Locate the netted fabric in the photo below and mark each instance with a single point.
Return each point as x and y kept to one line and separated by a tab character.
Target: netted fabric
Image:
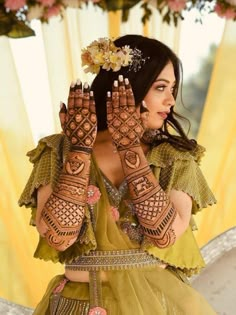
180	170
47	160
172	168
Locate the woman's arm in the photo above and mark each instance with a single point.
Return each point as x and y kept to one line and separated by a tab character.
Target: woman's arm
61	211
163	218
43	194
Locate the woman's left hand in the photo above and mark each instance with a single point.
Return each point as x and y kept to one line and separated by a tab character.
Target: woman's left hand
124	122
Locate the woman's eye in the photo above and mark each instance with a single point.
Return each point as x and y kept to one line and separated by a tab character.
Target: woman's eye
160	87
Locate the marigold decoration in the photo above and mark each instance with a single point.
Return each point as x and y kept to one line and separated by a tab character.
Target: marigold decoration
15	15
93	195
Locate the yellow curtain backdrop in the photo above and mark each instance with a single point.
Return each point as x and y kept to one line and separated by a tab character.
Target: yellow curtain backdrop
18	270
218	134
31	90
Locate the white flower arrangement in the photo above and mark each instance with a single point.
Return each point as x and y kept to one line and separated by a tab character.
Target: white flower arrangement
103	53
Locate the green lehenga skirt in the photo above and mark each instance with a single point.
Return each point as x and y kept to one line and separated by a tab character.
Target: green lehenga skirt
143	291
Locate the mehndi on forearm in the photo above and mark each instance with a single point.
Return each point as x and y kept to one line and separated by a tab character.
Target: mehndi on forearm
63	212
153	208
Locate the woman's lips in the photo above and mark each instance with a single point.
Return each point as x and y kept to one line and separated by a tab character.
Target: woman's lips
163	114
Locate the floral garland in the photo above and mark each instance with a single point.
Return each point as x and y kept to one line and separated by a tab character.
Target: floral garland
16	15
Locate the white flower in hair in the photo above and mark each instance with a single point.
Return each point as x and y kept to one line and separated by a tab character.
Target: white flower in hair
103	53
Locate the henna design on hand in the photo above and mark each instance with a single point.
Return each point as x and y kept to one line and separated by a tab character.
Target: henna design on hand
155	212
132	159
63	213
74	166
80	121
124	124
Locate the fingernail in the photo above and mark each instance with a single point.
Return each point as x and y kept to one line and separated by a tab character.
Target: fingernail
91	93
115	83
86	85
78	82
126	81
61	105
121	78
72	84
108	94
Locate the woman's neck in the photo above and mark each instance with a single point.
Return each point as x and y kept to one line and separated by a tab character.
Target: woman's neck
104	138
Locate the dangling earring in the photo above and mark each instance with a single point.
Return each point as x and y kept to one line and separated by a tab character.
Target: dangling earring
151	135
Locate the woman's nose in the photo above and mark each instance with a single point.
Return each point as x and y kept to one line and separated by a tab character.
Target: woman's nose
170	100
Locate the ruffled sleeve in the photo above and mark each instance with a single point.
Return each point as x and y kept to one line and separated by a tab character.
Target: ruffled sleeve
180	170
47	159
47	163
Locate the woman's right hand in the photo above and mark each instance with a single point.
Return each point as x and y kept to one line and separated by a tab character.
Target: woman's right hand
78	120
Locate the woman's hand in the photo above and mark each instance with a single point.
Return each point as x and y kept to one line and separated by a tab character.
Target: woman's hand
124	122
79	121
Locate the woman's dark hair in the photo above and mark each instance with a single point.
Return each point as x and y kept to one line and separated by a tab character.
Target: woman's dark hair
156	55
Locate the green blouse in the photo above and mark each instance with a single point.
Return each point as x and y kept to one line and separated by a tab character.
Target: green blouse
173	169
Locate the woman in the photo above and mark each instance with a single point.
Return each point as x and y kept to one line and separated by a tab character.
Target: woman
115	192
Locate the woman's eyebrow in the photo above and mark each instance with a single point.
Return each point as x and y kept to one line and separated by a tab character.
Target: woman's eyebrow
165	80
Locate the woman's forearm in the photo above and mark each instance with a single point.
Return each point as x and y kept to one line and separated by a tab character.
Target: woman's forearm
63	212
154	210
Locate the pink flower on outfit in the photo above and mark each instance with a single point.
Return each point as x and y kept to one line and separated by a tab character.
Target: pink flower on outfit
176	5
47	3
93	194
14	5
97	310
115	213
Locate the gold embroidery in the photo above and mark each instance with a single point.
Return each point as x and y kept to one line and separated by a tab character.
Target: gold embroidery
113	260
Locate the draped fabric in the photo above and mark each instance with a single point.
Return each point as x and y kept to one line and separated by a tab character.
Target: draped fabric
218	134
33	82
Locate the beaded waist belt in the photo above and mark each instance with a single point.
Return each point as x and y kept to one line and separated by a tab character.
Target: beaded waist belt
113	260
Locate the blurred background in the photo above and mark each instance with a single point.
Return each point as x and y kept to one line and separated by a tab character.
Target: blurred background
35	74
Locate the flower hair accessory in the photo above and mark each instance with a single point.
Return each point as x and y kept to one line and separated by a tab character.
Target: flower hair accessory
103	53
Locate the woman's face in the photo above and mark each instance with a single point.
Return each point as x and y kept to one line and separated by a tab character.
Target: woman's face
159	98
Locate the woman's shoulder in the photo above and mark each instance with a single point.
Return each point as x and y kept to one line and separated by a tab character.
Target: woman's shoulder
56	143
166	154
